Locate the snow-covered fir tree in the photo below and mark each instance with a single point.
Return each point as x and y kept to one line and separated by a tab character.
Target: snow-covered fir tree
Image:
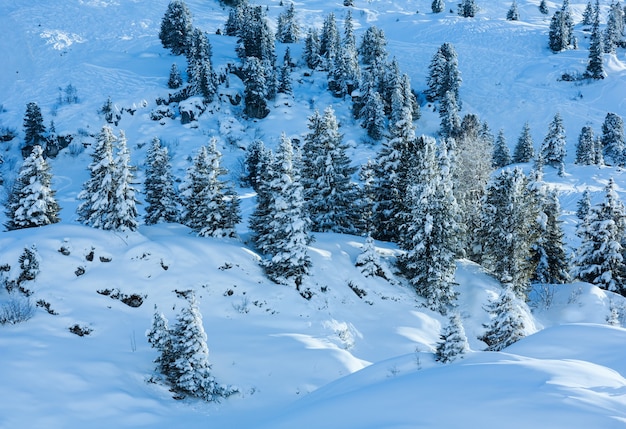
429	229
595	66
345	73
264	166
311	53
288	29
553	147
467	8
329	42
583	206
175	80
255	160
543	7
561	35
614	30
286	233
236	18
552	260
191	365
373	47
123	202
160	338
508	230
443	74
369	261
501	154
34	129
32	200
586	147
525	148
600	258
367	198
588	14
513	13
437	6
449	113
284	79
202	78
329	192
255	89
29	262
453	342
508	321
211	205
176	27
613	140
162	201
373	113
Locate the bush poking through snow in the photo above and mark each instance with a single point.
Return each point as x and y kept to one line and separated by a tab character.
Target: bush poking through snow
16	310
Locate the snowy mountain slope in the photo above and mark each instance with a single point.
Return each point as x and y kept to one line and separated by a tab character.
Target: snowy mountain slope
266	339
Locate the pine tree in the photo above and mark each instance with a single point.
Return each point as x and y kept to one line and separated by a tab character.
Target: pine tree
311	52
373	114
429	229
326	177
367	198
286	233
524	149
438	6
257	40
585	149
614	30
373	48
552	261
255	89
588	14
161	197
34	129
449	114
122	214
98	190
176	27
595	67
553	148
284	79
443	74
543	7
264	166
191	364
202	78
613	139
600	259
345	72
467	8
583	206
329	42
255	161
501	154
211	206
288	30
508	230
513	14
175	80
160	338
369	261
561	35
29	262
32	202
237	18
507	324
452	341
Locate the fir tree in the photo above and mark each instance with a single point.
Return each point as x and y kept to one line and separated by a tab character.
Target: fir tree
467	8
191	364
613	139
29	262
122	201
600	259
595	67
329	42
202	79
452	341
255	161
614	30
561	35
553	148
438	6
585	149
32	202
552	261
265	174
237	18
588	14
513	14
508	225
255	89
288	30
449	114
373	114
543	7
257	40
211	207
443	74
507	324
501	155
373	48
326	177
369	261
160	338
524	149
429	229
286	234
583	206
175	80
311	52
176	27
34	129
284	79
367	197
98	190
161	197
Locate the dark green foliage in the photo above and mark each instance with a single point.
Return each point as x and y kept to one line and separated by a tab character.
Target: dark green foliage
176	28
175	81
373	48
552	261
501	155
202	79
255	89
585	149
553	148
561	35
467	8
288	30
438	6
595	67
443	74
161	197
312	49
524	149
255	160
34	129
513	14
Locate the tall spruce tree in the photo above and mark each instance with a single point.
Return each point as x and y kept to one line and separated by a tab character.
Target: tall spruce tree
255	89
311	53
614	31
600	258
373	47
443	74
588	14
202	78
501	154
32	201
329	42
437	6
561	35
583	206
211	206
553	147
176	27
122	214
329	192
613	139
513	12
161	198
449	113
34	129
467	8
585	149
524	149
288	30
552	260
160	338
595	67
